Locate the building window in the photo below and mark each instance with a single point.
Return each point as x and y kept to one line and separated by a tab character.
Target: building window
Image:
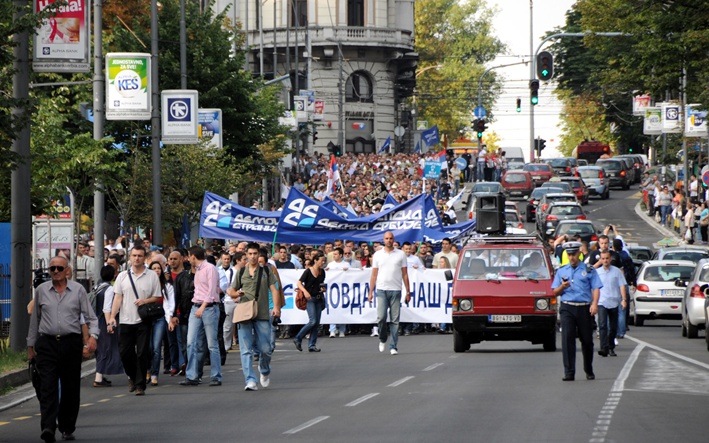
355	12
299	13
359	87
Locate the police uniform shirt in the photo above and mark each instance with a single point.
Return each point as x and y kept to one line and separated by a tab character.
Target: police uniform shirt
583	280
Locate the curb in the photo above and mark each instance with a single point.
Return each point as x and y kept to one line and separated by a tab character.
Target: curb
663	230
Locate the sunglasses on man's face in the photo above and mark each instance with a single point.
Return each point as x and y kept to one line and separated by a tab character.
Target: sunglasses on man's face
56	268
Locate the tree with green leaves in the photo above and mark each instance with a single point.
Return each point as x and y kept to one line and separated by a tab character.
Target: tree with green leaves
454	40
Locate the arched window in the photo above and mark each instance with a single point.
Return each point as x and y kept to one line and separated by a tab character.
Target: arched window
359	87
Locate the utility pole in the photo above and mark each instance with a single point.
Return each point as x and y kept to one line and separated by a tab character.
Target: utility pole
155	125
531	76
99	117
21	216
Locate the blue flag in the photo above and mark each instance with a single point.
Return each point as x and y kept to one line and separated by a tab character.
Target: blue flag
417	149
430	136
385	146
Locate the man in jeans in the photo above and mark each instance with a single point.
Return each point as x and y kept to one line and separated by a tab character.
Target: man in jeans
246	287
612	294
388	284
134	341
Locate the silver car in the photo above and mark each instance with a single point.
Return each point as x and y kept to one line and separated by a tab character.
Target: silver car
595	179
660	289
693	312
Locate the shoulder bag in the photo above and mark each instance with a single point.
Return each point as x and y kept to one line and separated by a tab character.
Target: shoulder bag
247	311
300	301
148	312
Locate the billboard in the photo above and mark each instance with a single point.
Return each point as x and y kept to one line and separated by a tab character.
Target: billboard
652	123
61	44
210	126
695	122
127	86
179	116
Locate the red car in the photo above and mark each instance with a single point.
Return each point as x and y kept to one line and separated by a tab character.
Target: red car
579	187
541	172
502	291
517	183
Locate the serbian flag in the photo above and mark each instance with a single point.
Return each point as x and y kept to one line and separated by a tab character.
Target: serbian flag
333	176
441	156
385	146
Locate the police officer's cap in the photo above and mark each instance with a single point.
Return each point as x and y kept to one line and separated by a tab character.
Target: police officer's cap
572	247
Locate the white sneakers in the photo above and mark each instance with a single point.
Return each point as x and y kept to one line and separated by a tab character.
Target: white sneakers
393	351
342	334
265	381
251	386
375	332
382	346
333	334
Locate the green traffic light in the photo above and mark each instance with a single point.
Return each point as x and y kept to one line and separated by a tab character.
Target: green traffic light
480	135
535	100
545	73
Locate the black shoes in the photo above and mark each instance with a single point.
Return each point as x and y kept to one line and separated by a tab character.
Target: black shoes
313	349
603	353
568	378
68	436
590	376
612	353
297	344
188	382
48	435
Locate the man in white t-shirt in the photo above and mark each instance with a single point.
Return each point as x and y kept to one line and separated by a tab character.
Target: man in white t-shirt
482	158
447	253
388	284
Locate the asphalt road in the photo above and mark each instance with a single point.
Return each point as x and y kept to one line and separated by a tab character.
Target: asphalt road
656	390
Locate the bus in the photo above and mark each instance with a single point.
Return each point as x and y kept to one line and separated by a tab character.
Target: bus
591	151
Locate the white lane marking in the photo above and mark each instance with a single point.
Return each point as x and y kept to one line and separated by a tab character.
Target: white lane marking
432	367
362	399
605	416
399	382
307	424
668	352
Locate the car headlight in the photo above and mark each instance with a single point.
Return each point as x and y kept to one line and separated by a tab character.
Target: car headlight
466	304
541	304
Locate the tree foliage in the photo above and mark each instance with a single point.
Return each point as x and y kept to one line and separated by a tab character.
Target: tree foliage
454	40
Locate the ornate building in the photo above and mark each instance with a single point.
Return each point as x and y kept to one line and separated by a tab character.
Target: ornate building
355	55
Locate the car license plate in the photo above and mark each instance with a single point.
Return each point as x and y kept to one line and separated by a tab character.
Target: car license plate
516	192
537	177
673	292
504	318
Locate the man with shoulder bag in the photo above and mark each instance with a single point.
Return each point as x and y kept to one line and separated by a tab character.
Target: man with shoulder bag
250	290
135	287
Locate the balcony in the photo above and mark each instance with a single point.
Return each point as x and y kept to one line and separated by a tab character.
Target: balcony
348	35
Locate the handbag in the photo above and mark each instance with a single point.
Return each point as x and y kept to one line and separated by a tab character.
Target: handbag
704	221
246	311
300	301
148	312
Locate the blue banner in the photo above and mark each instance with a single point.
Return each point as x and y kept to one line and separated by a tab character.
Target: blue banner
385	146
430	136
221	218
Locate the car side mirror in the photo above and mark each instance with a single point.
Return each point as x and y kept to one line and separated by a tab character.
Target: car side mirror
449	275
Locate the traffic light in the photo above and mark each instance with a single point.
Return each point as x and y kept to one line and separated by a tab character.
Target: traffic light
519	105
480	127
315	135
534	87
542	144
630	149
545	66
539	145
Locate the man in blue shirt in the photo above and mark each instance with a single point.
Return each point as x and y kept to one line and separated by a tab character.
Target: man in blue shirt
612	294
579	288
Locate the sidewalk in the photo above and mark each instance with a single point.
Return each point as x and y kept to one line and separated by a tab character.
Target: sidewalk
671	238
24	391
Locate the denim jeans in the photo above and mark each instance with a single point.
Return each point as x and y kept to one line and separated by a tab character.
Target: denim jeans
481	171
607	326
159	328
209	323
622	316
388	301
338	328
262	330
174	339
664	213
314	310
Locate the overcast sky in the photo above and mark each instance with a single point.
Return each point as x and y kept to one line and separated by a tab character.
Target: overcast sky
512	28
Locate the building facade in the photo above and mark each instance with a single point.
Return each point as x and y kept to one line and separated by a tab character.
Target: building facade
357	56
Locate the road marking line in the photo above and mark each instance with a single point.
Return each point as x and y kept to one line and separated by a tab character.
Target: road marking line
399	382
86	404
3	423
24	417
104	400
432	367
668	352
119	395
362	399
605	416
307	424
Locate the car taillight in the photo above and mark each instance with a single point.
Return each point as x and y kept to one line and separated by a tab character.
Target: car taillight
568	169
600	174
535	202
545	206
551	218
642	288
594	237
697	292
581	217
520	225
622	173
470	216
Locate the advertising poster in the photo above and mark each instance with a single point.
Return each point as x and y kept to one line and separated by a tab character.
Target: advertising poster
127	86
695	123
641	103
179	116
210	126
671	118
652	123
61	44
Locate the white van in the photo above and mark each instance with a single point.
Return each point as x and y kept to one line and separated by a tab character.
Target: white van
513	154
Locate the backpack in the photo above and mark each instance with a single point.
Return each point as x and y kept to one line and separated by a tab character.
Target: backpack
93	295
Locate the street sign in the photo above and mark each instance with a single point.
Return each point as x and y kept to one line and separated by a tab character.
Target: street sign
480	112
705	178
461	163
180	116
421	125
432	170
399	131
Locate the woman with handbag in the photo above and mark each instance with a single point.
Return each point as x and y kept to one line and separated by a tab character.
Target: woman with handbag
312	285
159	327
704	222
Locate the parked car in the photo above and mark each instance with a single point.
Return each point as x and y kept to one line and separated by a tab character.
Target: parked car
541	172
583	228
694	315
557	212
595	179
563	167
616	171
579	187
502	291
517	183
556	182
533	201
549	198
692	253
659	290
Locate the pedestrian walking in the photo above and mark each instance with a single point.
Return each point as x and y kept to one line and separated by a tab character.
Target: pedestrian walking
108	357
578	285
704	221
312	285
389	273
55	343
612	295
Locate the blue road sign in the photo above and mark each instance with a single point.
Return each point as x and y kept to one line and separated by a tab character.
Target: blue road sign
480	112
